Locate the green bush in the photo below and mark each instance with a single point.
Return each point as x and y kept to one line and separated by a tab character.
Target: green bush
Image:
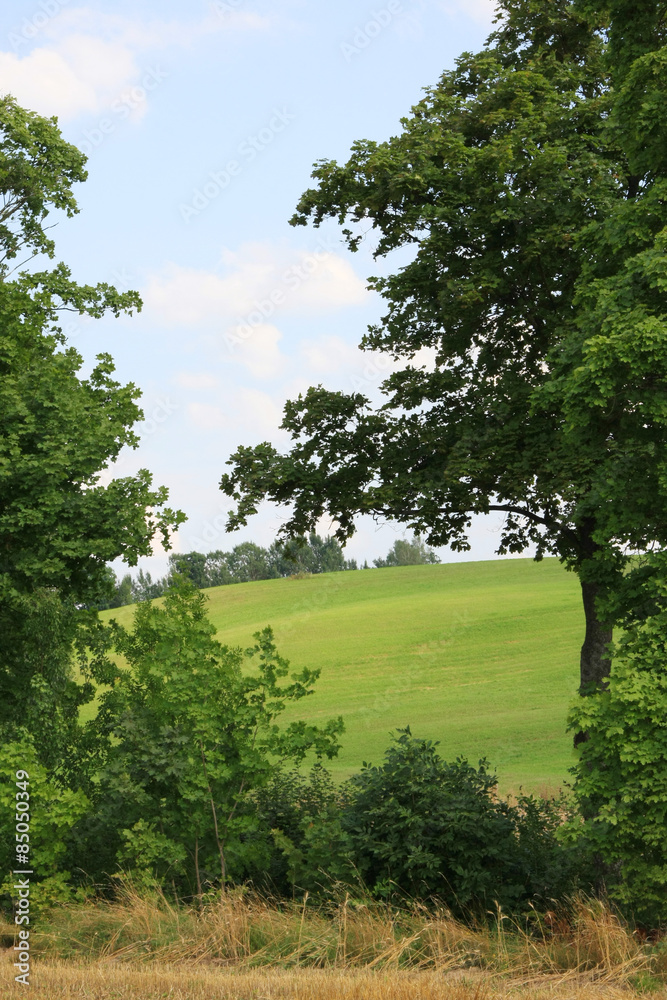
190	732
53	812
621	777
301	817
420	826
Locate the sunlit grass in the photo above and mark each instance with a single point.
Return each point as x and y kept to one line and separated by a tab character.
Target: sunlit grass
480	656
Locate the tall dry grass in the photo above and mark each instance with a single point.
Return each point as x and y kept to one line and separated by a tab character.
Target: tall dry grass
242	931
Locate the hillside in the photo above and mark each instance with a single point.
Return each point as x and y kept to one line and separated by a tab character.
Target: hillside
480	656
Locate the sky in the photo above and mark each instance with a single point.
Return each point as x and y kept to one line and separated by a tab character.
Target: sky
202	122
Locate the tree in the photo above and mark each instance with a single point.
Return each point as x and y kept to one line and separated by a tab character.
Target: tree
310	555
58	526
54	811
404	553
193	565
41	637
191	732
529	188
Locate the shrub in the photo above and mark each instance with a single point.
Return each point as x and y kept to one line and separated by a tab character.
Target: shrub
190	731
53	811
621	777
420	826
302	819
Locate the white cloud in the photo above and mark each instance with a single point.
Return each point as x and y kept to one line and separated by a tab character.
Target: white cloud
258	282
258	413
196	380
207	417
153	34
85	61
259	351
44	82
251	409
330	355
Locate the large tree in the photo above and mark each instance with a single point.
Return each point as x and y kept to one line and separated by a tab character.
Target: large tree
528	188
59	525
59	431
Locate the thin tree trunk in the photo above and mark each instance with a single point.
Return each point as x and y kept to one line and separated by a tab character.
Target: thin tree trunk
199	892
215	819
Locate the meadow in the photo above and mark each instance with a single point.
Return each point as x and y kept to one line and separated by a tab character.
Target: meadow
481	656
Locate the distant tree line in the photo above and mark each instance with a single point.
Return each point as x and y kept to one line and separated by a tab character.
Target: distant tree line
248	562
408	553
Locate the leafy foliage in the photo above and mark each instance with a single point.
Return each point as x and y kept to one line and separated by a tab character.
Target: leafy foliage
50	652
528	189
246	562
424	827
54	811
58	525
59	432
621	776
37	170
307	848
406	553
191	733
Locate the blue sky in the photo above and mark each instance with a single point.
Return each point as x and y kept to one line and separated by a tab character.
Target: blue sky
202	122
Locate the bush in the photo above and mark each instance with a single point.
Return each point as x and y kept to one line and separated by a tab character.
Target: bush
307	847
188	732
621	777
53	812
420	826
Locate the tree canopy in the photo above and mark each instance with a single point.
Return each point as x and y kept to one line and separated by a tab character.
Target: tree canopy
529	188
59	433
59	525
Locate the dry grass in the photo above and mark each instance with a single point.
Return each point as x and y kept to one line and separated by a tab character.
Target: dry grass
239	946
114	981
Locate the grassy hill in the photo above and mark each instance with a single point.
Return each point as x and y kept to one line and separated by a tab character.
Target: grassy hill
480	656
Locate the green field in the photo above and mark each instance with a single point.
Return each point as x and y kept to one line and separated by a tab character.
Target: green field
480	656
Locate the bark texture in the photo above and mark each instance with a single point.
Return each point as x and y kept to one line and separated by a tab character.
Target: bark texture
595	665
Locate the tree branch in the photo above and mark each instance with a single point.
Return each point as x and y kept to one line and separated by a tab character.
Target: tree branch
522	512
506	508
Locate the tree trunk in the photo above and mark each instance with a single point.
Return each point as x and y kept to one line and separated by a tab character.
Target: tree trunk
594	664
199	892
